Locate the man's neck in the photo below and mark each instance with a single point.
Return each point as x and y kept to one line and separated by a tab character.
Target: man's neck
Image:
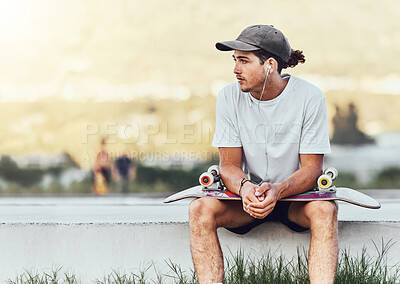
273	88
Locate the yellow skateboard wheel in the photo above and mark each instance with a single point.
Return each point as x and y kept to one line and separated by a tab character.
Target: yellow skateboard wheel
324	182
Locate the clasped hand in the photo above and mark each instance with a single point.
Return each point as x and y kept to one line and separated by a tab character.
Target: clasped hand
259	200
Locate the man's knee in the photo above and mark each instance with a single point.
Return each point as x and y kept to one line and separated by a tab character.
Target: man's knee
202	210
322	211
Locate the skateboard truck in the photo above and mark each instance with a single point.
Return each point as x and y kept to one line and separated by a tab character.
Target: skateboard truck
325	181
211	180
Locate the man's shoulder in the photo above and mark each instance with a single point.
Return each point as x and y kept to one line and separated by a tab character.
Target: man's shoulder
307	88
230	90
230	95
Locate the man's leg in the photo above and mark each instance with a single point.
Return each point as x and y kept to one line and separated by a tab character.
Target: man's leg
321	218
205	216
124	185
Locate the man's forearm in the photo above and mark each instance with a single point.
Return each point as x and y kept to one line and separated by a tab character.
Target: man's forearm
300	181
232	176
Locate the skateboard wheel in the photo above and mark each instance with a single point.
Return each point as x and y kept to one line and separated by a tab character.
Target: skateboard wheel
324	182
206	179
332	172
213	168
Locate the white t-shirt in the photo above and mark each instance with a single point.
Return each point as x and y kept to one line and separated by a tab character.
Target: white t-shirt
273	133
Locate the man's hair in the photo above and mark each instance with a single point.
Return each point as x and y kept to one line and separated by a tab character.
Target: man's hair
296	57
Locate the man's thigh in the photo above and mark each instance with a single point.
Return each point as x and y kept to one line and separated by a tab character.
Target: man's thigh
302	213
226	213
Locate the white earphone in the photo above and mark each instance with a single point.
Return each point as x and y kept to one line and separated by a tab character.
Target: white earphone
265	81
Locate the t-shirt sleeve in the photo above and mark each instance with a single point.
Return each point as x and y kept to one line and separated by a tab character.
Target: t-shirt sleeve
226	127
315	131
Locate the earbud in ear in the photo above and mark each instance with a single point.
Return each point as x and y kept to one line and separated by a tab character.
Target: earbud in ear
269	68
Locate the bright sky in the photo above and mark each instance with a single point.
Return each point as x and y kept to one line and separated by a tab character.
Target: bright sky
16	21
78	51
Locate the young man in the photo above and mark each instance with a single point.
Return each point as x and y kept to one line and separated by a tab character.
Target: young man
276	127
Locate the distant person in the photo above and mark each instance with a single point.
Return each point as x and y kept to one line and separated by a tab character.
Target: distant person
102	170
125	170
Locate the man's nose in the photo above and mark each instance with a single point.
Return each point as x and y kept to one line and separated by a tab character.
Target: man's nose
236	69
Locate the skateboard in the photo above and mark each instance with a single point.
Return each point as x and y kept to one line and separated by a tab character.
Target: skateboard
211	186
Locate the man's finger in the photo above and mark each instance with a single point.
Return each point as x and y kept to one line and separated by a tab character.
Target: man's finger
262	189
246	202
250	197
261	215
263	203
261	210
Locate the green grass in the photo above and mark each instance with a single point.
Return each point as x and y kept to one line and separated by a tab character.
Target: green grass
122	278
367	269
240	268
52	277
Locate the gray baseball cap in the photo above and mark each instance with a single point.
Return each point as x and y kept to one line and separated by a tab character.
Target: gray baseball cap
256	37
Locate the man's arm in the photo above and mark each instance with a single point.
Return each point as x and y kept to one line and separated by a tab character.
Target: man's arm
300	181
232	174
231	167
303	179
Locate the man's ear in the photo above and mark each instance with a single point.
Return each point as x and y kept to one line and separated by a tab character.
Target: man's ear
270	64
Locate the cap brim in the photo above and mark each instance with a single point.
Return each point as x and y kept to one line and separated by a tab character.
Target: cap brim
235	45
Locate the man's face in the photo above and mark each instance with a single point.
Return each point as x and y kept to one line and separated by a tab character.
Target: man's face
249	72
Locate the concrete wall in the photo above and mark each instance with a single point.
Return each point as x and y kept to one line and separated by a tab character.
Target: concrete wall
92	250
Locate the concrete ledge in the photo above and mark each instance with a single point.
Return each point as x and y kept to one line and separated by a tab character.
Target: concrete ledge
90	236
92	250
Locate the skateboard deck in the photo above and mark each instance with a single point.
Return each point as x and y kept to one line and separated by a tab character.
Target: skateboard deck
325	191
198	191
341	194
